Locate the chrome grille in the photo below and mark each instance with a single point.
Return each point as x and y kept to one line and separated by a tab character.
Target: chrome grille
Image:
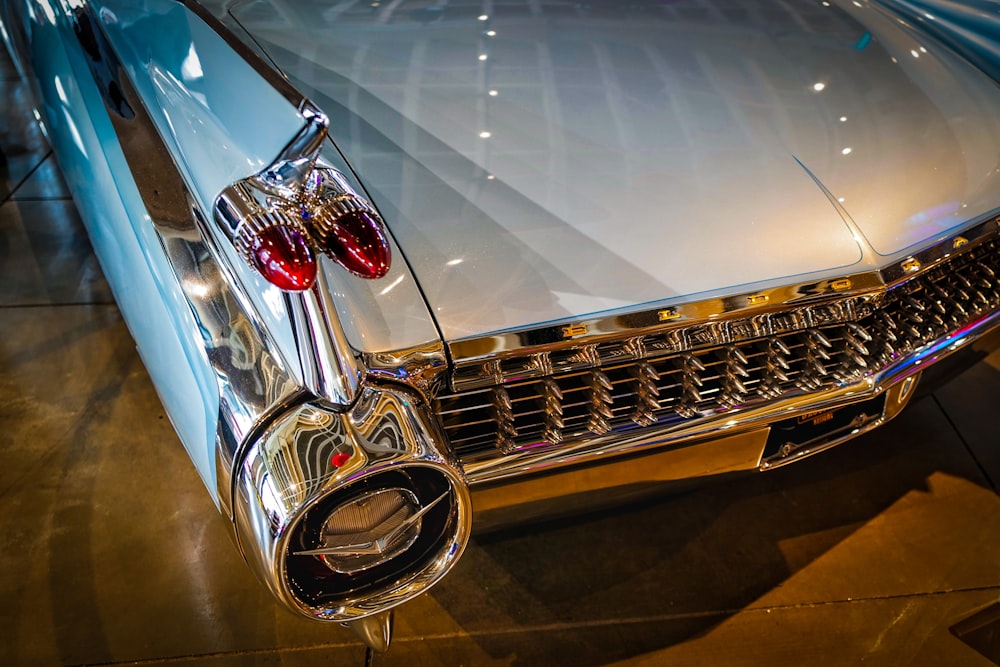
544	397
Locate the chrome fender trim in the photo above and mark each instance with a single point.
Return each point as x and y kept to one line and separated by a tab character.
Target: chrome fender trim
314	463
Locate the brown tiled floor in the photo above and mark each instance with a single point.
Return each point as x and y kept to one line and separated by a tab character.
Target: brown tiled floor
113	553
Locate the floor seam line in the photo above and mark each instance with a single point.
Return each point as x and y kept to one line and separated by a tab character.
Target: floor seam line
968	448
220	654
548	627
13	191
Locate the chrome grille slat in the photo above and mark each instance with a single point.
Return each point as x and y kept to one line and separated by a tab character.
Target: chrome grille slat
593	388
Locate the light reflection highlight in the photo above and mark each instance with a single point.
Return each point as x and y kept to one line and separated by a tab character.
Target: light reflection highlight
60	91
74	132
191	66
391	286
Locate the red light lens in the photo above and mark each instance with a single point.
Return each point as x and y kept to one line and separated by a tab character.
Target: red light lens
339	459
358	243
283	257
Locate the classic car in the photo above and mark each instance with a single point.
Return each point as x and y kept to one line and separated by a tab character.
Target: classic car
391	265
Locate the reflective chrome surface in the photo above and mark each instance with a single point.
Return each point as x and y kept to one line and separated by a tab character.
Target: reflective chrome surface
296	190
512	501
314	463
139	175
258	385
726	372
327	364
75	390
497	504
286	176
896	398
423	368
375	631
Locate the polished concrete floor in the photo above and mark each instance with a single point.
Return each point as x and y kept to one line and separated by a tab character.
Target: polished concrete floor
885	551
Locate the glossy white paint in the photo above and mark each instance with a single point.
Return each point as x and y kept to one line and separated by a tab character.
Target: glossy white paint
223	122
927	146
549	165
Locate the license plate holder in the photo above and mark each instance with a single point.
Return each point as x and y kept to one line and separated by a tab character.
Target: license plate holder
815	430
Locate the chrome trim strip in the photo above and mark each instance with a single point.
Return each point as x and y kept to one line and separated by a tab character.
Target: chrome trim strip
330	368
421	368
594	449
716	321
734	452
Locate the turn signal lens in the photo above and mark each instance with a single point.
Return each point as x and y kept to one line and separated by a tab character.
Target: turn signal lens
282	255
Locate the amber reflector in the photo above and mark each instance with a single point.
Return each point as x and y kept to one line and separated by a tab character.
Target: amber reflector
357	242
283	257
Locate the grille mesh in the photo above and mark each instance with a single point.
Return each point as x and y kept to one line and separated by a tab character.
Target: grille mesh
645	380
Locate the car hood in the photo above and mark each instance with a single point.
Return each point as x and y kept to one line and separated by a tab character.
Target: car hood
554	159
